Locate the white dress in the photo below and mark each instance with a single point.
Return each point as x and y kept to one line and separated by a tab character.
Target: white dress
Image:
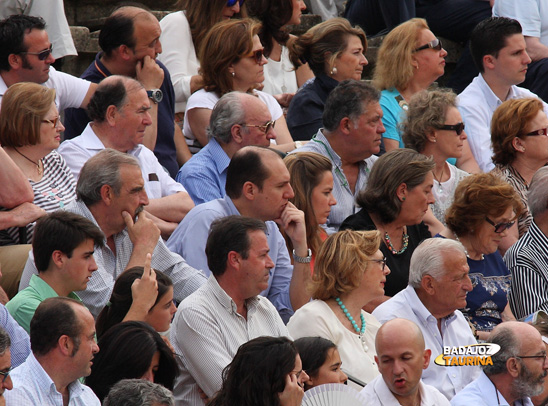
280	76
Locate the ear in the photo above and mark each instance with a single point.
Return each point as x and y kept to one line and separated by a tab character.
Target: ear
236	132
431	134
233	260
401	192
488	61
249	190
231	69
346	125
15	61
110	115
427	284
427	354
58	258
517	143
414	62
107	194
65	345
513	367
125	52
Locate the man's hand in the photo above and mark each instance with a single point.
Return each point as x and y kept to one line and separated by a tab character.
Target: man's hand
149	73
292	222
143	233
293	393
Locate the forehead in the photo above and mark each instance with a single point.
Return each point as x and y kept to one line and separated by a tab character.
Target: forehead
130	175
36	40
137	98
86	245
277	169
87	322
373	109
514	42
455	263
353	41
256	111
257	240
426	36
146	28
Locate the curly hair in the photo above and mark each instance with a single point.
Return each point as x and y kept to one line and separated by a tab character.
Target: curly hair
478	196
427	111
509	121
394	61
342	261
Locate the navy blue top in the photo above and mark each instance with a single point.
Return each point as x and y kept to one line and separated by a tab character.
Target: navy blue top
77	119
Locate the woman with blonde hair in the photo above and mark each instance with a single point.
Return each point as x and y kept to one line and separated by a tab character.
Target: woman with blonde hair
410	59
334	50
350	271
231	59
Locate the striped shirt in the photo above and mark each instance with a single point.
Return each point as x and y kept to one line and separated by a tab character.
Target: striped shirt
527	261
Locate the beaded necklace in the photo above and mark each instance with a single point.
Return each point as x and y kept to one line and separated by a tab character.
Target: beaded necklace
353	322
405	243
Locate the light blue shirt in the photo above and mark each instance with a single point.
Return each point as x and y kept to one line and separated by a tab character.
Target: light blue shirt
190	237
204	175
455	331
482	392
20	342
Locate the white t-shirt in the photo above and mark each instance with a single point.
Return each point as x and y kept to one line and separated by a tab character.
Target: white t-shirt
531	14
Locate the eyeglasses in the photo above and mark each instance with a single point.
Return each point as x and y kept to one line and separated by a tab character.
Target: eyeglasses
379	261
42	55
5	374
230	3
542	131
458	128
500	227
541	356
53	122
266	127
434	44
257	55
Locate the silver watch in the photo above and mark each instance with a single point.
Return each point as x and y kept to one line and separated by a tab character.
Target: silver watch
303	260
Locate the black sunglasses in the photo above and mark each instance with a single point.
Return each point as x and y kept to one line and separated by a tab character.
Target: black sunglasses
434	44
458	128
230	3
542	131
42	55
500	227
257	55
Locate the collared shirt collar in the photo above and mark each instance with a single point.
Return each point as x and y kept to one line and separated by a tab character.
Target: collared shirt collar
420	309
221	158
226	301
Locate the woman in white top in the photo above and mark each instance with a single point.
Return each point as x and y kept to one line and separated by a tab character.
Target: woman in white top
182	35
433	126
281	78
350	271
231	59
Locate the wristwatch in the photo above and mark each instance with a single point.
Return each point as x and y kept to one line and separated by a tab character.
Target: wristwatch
155	95
303	260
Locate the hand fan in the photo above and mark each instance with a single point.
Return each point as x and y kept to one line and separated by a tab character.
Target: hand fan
333	394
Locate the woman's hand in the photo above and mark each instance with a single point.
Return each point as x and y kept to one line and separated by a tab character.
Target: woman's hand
293	393
284	98
144	292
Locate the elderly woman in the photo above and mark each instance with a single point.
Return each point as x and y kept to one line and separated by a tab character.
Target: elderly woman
30	132
433	126
519	138
350	272
231	58
182	35
410	59
312	182
485	207
395	201
334	50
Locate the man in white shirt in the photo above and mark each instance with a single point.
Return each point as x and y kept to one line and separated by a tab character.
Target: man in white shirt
227	311
401	358
438	284
517	372
51	373
119	111
499	51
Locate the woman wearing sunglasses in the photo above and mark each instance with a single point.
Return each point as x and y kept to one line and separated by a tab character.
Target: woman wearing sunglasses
30	132
410	59
182	35
520	147
485	207
231	59
433	126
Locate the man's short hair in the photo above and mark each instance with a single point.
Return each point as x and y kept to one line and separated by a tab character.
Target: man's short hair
429	259
247	166
138	392
69	231
537	198
228	234
489	37
509	347
111	92
117	30
102	169
349	99
12	36
228	111
53	318
5	341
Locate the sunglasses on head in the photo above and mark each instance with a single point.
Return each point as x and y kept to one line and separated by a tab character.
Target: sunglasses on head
458	128
542	131
434	44
42	55
500	227
230	3
257	55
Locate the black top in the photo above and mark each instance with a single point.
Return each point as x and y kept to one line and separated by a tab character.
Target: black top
398	264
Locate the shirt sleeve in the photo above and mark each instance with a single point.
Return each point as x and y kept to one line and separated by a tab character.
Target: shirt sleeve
20	342
478	122
278	293
200	184
71	90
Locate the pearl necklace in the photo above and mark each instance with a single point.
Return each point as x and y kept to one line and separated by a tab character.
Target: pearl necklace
353	322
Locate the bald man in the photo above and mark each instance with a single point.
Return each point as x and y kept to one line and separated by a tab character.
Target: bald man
401	358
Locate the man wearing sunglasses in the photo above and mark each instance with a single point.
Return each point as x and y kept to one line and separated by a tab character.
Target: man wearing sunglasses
238	120
499	51
26	56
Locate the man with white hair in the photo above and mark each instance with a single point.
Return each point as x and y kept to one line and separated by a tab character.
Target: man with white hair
438	284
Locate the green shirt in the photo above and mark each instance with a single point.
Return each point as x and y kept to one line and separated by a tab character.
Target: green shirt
24	304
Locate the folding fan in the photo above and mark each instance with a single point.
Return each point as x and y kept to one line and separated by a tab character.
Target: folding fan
333	394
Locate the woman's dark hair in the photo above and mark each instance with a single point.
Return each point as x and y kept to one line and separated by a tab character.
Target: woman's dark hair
257	373
121	298
313	352
126	352
274	14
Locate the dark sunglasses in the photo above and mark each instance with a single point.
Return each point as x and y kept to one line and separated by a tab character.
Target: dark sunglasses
266	127
434	44
42	55
542	131
458	128
500	227
257	55
230	3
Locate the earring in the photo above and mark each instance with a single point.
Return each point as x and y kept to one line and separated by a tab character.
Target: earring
434	140
333	70
403	199
233	74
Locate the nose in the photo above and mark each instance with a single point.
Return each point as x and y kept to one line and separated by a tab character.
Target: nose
363	60
95	348
443	52
528	60
158	47
302	5
148	376
386	270
271	134
303	377
332	201
236	7
289	192
269	262
431	198
380	127
398	367
463	135
467	286
173	309
147	119
8	384
60	127
92	264
264	61
343	376
143	198
50	59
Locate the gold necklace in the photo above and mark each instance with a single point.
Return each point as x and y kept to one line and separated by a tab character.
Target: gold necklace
30	160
